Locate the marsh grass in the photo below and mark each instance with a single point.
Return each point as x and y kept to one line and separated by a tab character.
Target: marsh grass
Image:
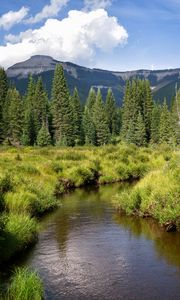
25	285
156	195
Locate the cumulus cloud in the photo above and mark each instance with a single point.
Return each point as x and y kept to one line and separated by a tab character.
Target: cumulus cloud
95	4
13	17
75	38
48	11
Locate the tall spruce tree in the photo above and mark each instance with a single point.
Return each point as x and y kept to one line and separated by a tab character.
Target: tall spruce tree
77	118
91	99
61	109
140	131
111	112
148	107
87	122
100	121
3	93
126	111
40	105
155	122
14	115
166	129
88	127
175	115
30	127
137	99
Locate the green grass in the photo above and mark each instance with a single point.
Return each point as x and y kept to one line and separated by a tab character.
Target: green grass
20	230
25	285
157	194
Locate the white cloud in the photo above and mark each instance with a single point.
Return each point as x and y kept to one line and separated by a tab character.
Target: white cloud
48	11
95	4
75	38
13	17
13	39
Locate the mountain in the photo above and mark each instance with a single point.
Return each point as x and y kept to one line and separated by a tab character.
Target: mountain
162	81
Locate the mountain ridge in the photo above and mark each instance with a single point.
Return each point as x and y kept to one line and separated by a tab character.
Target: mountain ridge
162	81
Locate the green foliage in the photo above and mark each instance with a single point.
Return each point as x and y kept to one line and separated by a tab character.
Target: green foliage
25	285
77	118
100	121
62	110
111	112
87	122
29	128
166	130
13	117
137	109
43	137
37	121
140	131
175	111
3	93
156	113
156	195
41	106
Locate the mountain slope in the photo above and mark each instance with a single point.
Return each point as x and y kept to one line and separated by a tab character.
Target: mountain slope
162	82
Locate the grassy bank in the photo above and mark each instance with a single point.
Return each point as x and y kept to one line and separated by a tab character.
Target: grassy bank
157	195
31	179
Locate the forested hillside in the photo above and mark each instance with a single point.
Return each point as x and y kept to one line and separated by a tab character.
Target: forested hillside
162	82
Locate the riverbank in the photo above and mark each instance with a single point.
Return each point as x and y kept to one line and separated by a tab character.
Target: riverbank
31	179
157	195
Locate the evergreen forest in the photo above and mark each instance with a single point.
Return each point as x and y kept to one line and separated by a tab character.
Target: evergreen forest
34	119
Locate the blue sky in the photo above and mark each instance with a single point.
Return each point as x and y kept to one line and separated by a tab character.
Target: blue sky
145	34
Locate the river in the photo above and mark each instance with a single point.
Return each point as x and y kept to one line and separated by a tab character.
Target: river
86	250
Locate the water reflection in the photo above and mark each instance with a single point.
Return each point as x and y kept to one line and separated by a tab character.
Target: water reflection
167	245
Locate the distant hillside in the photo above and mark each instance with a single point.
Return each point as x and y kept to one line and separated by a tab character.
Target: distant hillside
162	82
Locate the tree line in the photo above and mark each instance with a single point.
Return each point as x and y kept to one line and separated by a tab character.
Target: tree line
62	120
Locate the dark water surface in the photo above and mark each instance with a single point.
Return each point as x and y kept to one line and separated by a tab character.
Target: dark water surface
87	251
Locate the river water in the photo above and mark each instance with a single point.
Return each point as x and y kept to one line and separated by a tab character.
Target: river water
86	250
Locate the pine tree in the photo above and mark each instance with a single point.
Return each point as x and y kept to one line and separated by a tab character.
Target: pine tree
88	127
175	115
30	127
13	116
126	111
91	99
148	107
140	132
3	93
117	123
61	109
77	118
130	112
166	130
111	112
44	138
156	113
100	121
87	122
40	105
